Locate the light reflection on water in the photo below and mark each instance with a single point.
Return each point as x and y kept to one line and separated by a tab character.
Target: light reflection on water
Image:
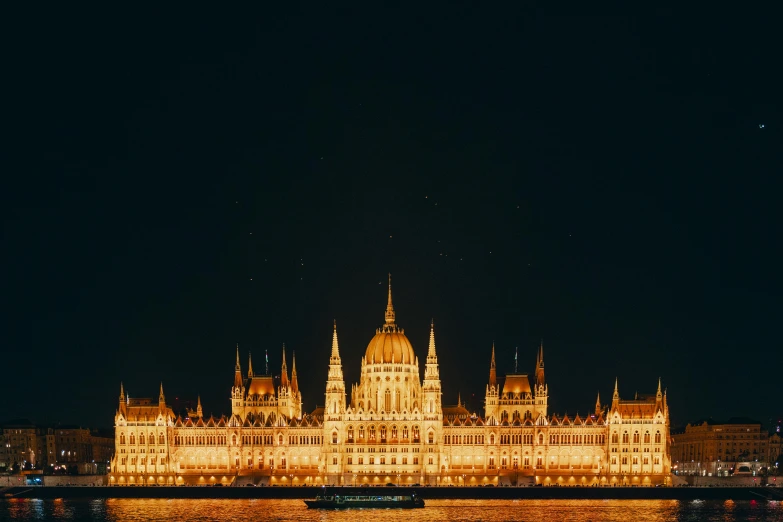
183	510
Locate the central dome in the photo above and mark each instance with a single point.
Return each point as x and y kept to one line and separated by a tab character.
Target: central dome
389	344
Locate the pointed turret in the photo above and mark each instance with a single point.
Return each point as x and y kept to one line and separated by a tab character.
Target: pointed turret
615	395
199	411
390	318
122	392
249	365
459	399
540	365
237	372
335	346
493	376
161	397
284	371
598	404
431	351
294	381
659	394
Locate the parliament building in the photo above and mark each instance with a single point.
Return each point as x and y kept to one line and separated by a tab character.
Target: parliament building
391	427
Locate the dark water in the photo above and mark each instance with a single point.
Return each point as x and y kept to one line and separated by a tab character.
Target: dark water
452	510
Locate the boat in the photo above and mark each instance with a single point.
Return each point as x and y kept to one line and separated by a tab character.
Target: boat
401	499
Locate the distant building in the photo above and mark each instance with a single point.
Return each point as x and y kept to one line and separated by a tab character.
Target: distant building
711	448
21	445
392	428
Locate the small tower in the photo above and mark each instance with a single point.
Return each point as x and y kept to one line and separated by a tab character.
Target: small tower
238	390
335	382
161	398
541	389
123	402
615	395
493	390
598	408
249	365
199	411
431	388
540	366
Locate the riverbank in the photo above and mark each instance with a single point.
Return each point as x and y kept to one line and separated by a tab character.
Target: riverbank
501	493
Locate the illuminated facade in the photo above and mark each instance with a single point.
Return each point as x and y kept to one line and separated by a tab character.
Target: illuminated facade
392	428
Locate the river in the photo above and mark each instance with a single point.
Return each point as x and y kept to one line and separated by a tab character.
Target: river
202	510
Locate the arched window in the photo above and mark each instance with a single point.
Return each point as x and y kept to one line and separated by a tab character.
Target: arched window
141	438
387	400
415	434
383	433
540	438
615	438
397	403
646	437
161	439
334	437
361	432
492	439
372	432
394	432
233	440
405	433
280	440
636	437
350	433
625	437
122	438
657	437
430	437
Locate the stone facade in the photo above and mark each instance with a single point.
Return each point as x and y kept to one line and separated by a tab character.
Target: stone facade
392	428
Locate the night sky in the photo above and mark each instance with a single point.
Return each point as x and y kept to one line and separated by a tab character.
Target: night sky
179	182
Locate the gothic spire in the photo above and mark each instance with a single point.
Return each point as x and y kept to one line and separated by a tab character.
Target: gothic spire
199	411
249	365
540	365
122	392
493	378
335	347
161	397
389	308
431	352
294	381
284	371
659	387
598	404
237	372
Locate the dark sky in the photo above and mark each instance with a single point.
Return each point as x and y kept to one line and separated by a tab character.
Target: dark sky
178	182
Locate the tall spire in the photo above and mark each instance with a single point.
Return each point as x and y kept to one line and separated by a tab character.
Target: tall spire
659	387
284	371
389	307
598	404
431	351
199	411
335	347
237	372
122	392
161	397
493	377
294	381
540	365
249	365
615	395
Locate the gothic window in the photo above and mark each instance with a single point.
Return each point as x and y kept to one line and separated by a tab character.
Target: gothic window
280	440
636	437
334	437
405	432
540	438
383	433
372	432
492	439
430	437
141	438
657	437
615	438
646	437
122	438
387	400
132	438
415	434
625	437
394	432
350	433
361	432
397	401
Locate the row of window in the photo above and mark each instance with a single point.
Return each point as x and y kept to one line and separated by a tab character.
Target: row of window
636	435
142	440
635	460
